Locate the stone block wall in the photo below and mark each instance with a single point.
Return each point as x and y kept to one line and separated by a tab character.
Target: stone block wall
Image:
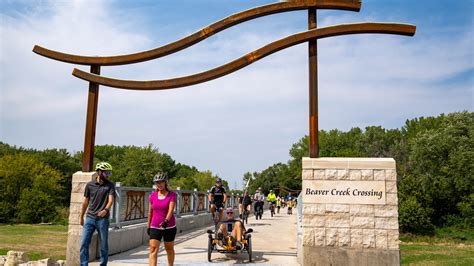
120	240
342	234
79	181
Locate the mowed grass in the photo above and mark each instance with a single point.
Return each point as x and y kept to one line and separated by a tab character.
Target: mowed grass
38	241
49	241
437	254
448	247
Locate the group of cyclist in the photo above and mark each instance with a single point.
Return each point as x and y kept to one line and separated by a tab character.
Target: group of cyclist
235	227
218	198
99	197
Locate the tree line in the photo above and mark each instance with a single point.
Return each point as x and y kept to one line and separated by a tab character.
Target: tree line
35	185
435	167
434	156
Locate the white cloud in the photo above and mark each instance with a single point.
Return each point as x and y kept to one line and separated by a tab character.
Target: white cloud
241	122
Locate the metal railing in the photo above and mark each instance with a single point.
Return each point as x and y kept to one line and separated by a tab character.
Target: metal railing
131	204
299	221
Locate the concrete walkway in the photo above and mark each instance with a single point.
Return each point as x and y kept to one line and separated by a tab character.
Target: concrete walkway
273	240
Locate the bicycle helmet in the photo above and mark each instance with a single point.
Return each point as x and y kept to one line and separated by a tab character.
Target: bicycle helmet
229	210
160	176
103	166
218	180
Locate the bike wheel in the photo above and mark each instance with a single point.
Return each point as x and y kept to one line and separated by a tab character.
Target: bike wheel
210	247
249	248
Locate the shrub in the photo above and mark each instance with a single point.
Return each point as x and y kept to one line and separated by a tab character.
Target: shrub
30	189
35	207
414	218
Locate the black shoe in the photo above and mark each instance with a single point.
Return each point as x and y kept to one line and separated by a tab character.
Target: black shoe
238	245
220	236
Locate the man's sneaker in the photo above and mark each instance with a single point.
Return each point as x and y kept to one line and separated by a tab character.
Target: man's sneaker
220	236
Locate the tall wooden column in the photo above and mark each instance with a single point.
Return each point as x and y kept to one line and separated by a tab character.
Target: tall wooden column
91	120
313	88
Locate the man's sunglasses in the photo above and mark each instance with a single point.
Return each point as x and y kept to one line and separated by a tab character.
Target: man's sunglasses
230	213
107	173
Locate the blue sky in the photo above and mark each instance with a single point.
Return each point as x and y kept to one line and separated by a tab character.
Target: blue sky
249	119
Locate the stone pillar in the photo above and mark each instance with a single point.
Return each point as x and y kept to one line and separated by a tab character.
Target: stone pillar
349	212
79	181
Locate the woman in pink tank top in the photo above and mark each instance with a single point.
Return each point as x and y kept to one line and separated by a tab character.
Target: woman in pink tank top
161	221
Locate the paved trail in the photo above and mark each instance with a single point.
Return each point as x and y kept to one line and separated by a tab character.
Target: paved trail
273	240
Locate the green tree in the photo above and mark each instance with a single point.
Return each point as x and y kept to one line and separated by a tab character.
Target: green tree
205	180
62	161
414	217
443	160
22	175
137	166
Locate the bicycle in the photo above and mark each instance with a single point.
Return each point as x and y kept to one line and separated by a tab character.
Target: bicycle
272	209
245	215
229	245
259	210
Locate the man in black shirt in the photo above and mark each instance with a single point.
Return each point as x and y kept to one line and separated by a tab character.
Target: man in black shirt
98	199
244	202
217	199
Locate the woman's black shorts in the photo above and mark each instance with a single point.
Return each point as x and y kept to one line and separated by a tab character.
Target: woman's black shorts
168	235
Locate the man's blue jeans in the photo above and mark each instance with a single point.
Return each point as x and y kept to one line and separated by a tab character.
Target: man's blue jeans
102	226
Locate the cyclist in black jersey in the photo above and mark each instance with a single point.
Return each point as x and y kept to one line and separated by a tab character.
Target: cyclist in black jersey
244	202
217	199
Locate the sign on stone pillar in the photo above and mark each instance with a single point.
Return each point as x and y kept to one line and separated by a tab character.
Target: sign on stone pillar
349	212
79	182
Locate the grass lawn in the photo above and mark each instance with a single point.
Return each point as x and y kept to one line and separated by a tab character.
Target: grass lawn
447	247
437	254
38	241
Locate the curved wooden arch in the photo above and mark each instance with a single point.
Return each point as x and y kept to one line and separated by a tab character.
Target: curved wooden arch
344	29
351	5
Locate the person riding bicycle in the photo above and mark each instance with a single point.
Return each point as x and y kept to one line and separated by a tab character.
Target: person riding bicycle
217	199
290	203
234	226
258	198
244	203
278	203
271	198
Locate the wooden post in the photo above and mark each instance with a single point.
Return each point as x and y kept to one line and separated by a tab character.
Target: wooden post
313	88
91	120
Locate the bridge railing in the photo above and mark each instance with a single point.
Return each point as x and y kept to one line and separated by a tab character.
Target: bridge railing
299	208
131	204
299	227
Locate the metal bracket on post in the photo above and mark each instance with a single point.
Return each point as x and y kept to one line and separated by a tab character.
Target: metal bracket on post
195	202
118	203
178	202
208	207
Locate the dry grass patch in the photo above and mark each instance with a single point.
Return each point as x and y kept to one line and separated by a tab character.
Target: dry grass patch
38	241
